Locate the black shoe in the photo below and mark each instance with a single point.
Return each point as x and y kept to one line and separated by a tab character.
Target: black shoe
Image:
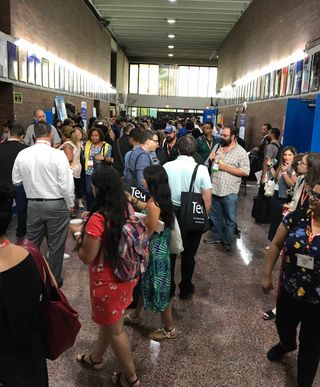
60	283
278	351
185	295
227	247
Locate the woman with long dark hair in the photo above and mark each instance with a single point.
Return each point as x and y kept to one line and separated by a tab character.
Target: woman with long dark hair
285	179
22	356
98	248
156	281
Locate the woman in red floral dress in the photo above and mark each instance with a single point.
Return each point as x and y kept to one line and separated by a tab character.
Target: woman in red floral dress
109	296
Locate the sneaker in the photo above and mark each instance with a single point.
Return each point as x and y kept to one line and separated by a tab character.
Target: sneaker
211	241
66	256
186	294
278	351
162	334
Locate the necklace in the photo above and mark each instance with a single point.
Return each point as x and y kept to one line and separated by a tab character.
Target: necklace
4	243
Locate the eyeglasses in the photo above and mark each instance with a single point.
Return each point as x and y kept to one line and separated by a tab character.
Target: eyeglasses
301	162
315	195
152	139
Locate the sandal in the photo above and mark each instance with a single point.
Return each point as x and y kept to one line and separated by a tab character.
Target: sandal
116	380
127	319
95	365
162	334
268	315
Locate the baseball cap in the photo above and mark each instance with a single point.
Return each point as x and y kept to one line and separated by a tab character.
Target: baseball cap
169	129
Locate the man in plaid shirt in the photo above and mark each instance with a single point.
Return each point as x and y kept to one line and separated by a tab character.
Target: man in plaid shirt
229	163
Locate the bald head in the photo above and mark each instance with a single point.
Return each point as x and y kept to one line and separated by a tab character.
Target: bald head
39	115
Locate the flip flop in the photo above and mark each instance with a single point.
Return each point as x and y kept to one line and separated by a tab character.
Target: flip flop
95	365
268	315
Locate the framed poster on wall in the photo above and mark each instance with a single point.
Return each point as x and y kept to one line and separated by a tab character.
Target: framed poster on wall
277	83
31	68
23	65
61	73
266	86
66	79
298	67
258	88
56	76
45	72
3	58
37	61
272	83
12	61
315	72
51	74
306	74
263	85
283	84
290	80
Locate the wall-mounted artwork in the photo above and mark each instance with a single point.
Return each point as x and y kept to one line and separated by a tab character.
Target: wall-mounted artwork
45	72
12	61
306	74
23	65
290	80
51	74
283	83
298	67
56	76
37	61
277	83
31	67
315	72
266	86
3	58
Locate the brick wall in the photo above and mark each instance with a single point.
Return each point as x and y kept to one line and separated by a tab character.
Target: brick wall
269	30
37	99
66	28
6	109
5	16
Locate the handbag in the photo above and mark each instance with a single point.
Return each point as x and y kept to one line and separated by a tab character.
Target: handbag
269	188
60	322
175	239
193	214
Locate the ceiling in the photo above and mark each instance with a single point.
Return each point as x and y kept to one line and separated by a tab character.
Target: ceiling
141	27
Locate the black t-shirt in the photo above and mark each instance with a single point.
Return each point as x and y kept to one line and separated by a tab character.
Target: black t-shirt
8	153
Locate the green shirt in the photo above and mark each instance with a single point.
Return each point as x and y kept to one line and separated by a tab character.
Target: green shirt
205	146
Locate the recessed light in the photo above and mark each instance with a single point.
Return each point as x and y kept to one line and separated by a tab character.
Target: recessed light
170	47
172	1
171	21
171	36
170	55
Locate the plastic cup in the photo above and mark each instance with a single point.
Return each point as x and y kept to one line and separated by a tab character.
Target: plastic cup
76	221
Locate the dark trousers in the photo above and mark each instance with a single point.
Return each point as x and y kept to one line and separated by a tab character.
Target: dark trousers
191	241
289	314
21	207
89	193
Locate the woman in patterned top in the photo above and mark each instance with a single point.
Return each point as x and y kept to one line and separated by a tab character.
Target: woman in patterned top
109	296
299	288
156	281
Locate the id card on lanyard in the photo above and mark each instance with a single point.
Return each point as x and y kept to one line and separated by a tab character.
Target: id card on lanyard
306	260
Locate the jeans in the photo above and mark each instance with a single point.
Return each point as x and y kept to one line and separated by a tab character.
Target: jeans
223	216
21	207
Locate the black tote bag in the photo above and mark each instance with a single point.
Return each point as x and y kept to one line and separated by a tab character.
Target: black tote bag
193	213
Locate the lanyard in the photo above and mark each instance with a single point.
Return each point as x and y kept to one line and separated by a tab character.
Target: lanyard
304	196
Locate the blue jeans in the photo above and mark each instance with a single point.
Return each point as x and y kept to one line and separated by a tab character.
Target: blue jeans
223	216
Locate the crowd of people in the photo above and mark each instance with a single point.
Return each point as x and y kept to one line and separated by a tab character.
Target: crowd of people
123	168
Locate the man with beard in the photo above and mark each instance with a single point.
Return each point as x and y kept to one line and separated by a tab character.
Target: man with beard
230	163
207	142
169	145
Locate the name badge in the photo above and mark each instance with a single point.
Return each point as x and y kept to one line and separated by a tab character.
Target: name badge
215	167
90	163
276	187
305	261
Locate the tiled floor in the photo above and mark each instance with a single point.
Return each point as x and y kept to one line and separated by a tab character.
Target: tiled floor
222	339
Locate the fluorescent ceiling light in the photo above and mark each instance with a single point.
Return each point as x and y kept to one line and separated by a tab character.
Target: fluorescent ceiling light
172	1
171	36
171	21
170	55
170	47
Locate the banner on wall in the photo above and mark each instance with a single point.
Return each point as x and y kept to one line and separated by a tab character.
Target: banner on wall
306	74
3	58
242	128
297	77
315	72
84	114
61	107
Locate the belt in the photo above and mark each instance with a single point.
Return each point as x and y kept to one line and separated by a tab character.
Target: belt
43	200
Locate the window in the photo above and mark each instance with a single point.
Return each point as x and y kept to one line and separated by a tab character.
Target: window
134	74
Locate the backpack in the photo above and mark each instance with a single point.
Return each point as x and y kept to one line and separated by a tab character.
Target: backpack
278	157
133	250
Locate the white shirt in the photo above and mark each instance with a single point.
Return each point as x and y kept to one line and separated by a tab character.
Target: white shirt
44	172
180	172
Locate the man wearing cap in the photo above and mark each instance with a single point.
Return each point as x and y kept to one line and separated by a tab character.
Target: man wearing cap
169	145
